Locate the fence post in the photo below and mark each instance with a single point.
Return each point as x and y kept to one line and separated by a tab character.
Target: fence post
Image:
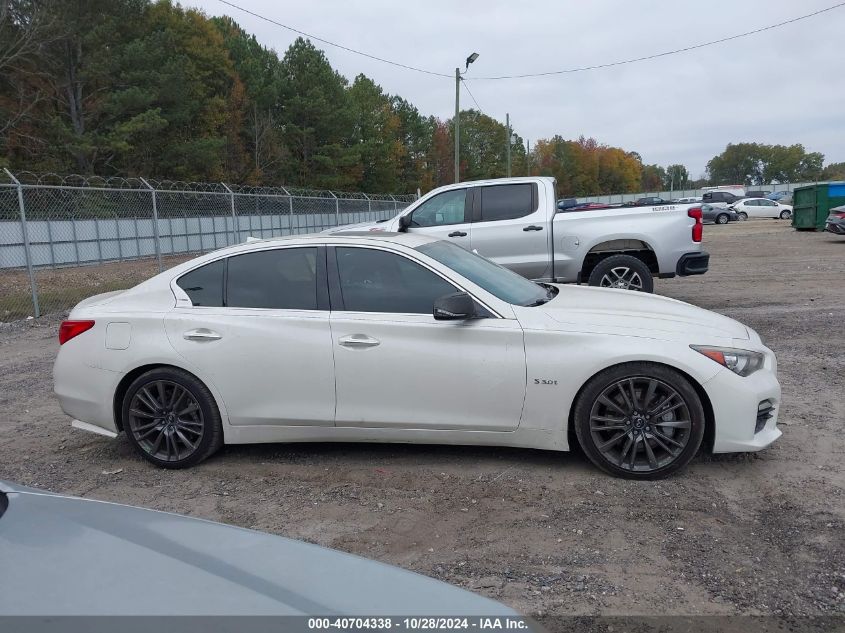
26	247
155	225
336	209
395	204
369	204
234	215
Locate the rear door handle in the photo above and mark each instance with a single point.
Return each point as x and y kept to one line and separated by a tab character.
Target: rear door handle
358	341
201	334
533	227
457	234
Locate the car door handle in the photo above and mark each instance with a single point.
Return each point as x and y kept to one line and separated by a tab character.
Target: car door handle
457	234
533	227
201	334
358	341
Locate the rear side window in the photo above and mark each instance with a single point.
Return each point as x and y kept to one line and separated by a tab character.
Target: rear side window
507	202
204	285
277	279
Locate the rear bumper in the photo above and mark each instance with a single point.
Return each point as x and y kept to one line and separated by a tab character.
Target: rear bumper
693	264
837	228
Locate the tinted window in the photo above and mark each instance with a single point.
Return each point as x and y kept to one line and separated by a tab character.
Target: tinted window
281	279
379	281
204	285
506	202
498	281
443	209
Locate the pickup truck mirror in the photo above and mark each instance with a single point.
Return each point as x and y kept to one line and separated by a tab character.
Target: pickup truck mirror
404	222
454	307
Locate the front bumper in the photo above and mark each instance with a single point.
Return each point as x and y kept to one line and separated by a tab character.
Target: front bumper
736	402
837	228
693	264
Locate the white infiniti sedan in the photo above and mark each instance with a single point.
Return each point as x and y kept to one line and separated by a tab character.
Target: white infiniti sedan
381	337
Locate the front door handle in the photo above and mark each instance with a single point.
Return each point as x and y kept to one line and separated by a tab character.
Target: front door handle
533	227
457	234
358	341
201	334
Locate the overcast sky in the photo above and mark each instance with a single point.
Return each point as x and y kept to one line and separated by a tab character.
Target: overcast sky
781	86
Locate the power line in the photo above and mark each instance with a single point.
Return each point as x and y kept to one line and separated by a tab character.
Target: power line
473	96
665	53
541	74
340	46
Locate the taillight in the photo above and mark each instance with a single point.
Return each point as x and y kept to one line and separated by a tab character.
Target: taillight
70	329
839	215
698	227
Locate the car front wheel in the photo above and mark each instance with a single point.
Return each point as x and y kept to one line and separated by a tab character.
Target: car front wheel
785	214
639	421
722	218
171	419
743	216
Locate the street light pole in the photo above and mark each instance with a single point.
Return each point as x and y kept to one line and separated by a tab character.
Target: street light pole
508	126
457	125
470	59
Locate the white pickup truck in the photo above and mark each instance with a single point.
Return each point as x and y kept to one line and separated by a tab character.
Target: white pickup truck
515	222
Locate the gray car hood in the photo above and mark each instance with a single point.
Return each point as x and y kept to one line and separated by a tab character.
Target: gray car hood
613	311
68	556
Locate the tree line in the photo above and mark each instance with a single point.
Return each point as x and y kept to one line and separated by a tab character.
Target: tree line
135	87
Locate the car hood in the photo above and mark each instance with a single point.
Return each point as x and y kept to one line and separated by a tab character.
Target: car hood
82	557
638	314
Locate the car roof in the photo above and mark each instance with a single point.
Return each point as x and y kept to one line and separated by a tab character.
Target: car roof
411	240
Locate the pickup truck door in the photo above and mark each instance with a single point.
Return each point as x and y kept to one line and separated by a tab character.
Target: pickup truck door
444	216
510	225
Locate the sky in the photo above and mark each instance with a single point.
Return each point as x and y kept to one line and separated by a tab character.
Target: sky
781	86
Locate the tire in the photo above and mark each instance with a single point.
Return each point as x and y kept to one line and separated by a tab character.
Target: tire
622	271
785	214
722	218
683	425
743	216
170	405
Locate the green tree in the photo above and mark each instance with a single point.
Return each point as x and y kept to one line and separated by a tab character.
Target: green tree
833	171
376	135
677	177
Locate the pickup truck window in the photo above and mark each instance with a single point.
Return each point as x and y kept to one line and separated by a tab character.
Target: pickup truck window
507	202
498	281
377	281
441	210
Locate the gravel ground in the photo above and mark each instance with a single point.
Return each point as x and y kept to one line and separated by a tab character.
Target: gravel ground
543	532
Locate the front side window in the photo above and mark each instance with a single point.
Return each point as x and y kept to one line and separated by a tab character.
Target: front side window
441	210
378	281
506	202
204	285
282	279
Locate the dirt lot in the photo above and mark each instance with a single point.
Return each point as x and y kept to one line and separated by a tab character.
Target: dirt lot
544	532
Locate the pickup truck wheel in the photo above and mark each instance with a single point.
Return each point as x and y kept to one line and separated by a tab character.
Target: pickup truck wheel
722	218
622	271
639	421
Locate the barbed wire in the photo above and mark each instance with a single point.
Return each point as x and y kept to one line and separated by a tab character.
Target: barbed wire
138	184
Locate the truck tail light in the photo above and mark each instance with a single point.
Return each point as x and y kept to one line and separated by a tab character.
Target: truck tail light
70	329
698	227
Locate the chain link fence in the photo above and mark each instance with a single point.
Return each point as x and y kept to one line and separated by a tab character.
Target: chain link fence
64	238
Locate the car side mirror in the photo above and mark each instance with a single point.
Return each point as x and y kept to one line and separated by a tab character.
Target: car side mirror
404	222
454	307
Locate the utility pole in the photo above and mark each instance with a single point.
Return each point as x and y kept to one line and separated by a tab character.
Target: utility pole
508	126
457	125
528	155
470	59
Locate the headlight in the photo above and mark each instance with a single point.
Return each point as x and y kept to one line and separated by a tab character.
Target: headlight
742	362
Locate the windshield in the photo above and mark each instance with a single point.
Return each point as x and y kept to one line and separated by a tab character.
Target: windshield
498	281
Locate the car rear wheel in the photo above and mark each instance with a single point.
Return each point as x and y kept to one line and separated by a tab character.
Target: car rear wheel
722	218
785	214
171	418
624	272
639	421
743	216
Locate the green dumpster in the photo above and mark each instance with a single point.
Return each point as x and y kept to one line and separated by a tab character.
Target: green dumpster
811	204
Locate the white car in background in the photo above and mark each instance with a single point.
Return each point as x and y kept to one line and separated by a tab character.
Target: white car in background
761	208
400	337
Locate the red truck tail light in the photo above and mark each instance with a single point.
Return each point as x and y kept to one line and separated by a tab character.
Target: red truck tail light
698	227
70	329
